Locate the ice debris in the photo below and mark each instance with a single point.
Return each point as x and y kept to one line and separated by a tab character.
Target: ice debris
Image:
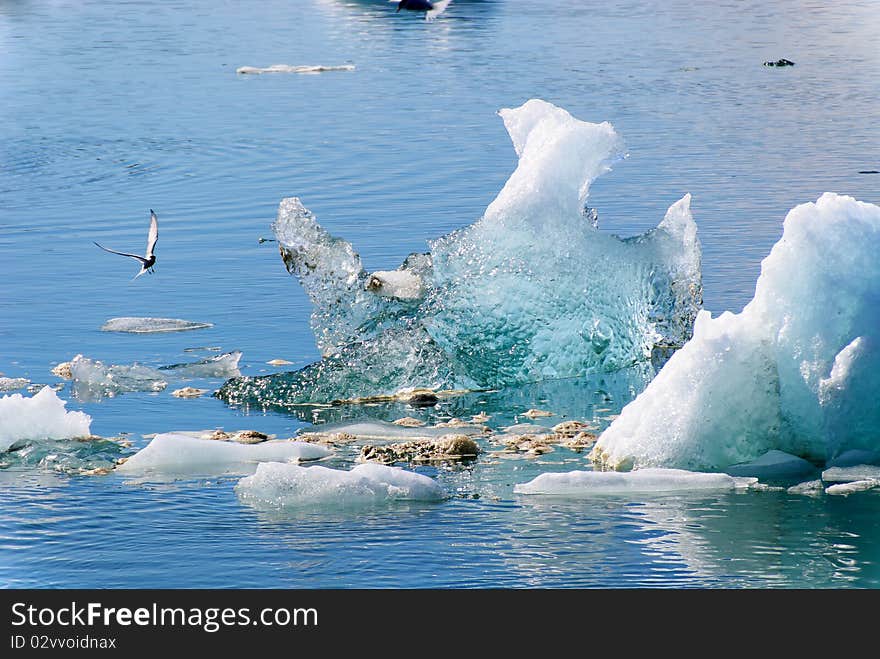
180	454
219	366
42	416
188	392
287	68
281	485
641	481
531	291
851	487
13	384
95	379
148	325
798	370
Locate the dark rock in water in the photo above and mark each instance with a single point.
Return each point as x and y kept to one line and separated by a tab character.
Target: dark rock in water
423	400
780	62
869	171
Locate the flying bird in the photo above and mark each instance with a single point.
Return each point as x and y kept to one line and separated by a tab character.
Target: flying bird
431	9
149	260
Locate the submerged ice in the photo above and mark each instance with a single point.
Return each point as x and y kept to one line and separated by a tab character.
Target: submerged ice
531	291
798	370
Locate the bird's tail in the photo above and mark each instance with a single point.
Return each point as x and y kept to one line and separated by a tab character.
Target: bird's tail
439	7
143	270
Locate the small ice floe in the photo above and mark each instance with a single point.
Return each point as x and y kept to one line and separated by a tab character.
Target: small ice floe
13	384
42	416
535	414
384	431
287	68
93	378
219	366
443	449
808	488
278	362
173	454
851	474
408	422
642	481
846	489
148	325
282	485
482	417
400	284
189	392
774	464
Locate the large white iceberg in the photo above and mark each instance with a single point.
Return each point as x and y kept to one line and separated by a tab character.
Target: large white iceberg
279	485
532	291
172	454
641	481
42	416
798	370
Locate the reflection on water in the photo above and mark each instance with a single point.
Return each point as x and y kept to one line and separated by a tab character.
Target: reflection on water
112	109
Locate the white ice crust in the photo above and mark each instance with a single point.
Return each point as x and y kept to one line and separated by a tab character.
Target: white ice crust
642	481
42	416
281	485
798	370
178	454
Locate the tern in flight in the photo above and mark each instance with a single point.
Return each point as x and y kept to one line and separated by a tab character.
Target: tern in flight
149	260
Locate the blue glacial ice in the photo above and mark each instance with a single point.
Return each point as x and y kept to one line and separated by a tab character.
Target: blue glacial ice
532	291
798	370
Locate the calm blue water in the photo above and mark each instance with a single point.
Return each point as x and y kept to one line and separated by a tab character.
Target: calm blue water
109	109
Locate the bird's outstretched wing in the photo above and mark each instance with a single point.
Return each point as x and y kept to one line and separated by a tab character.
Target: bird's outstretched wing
153	235
439	7
134	256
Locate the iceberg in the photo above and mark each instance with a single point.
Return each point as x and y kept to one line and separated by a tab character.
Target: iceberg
798	370
172	454
41	416
532	291
280	485
147	325
641	481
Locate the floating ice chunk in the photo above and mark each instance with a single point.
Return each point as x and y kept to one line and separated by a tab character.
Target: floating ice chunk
529	292
150	325
797	370
851	487
13	384
850	474
42	416
773	464
219	366
95	379
278	485
641	481
287	68
382	430
172	454
808	488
